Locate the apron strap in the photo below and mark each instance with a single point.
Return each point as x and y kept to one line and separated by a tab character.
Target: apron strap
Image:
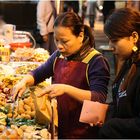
90	56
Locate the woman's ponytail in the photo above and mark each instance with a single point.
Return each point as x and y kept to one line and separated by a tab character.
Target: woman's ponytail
89	33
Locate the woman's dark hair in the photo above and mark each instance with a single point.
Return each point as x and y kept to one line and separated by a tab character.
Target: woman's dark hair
73	21
121	23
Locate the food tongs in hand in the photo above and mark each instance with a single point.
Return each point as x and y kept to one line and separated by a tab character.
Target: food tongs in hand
14	103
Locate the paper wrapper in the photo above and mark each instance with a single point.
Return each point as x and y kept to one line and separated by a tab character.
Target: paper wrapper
43	109
93	112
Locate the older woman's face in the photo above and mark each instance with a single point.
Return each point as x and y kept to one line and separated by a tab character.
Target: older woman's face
122	47
66	42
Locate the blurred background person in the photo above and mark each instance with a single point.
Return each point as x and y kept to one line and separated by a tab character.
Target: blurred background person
108	7
46	14
71	6
92	8
84	9
2	23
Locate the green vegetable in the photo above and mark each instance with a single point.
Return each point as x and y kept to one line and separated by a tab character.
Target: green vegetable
23	121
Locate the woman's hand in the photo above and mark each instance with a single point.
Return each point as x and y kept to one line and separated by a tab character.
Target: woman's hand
18	90
54	90
59	89
21	86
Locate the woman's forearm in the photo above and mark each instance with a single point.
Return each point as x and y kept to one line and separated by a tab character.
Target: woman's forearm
78	94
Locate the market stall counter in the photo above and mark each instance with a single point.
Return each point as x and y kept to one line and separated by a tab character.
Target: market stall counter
29	117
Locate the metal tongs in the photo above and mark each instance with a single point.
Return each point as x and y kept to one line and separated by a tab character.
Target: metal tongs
13	103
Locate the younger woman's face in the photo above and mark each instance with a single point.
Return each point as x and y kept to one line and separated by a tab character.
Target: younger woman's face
66	42
122	48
